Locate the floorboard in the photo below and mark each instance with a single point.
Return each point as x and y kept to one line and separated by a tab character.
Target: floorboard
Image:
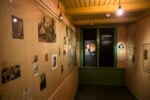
88	92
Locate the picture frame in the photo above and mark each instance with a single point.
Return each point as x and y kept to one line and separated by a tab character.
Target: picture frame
42	81
131	54
17	27
54	61
47	29
146	57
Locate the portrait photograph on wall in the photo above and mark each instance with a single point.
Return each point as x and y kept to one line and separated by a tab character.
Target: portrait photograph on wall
17	28
46	30
36	65
131	54
27	93
54	61
146	57
42	81
46	57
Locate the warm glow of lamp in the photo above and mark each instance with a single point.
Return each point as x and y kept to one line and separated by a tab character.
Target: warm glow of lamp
119	11
121	46
15	20
60	17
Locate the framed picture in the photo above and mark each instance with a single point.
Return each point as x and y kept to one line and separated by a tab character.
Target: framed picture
146	57
10	73
54	61
17	28
36	65
42	81
46	57
131	54
46	30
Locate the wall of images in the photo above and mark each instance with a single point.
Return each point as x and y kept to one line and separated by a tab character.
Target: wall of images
38	52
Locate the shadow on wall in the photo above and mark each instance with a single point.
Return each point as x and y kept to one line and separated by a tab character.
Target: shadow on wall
0	97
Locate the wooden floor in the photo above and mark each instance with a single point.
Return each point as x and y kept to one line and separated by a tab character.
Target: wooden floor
86	92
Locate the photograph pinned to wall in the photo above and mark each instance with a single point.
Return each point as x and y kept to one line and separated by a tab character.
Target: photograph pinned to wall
42	81
17	28
36	65
69	41
27	94
46	57
59	51
66	31
10	73
64	40
64	52
146	57
54	61
131	54
46	30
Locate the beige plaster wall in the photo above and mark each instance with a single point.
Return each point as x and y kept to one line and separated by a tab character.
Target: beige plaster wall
138	80
121	52
68	88
22	52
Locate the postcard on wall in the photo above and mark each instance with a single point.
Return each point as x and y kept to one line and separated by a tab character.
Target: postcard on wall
46	30
46	57
17	28
27	94
36	65
10	73
66	31
146	57
131	54
54	61
42	81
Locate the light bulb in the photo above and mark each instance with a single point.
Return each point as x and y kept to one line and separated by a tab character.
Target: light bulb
119	11
15	20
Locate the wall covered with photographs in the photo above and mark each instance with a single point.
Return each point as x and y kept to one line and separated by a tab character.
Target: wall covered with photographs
138	66
37	51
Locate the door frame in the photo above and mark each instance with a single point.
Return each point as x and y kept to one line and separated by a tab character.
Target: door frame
98	42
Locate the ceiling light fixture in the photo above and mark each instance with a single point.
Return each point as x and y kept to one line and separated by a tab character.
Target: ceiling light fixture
108	15
119	11
60	17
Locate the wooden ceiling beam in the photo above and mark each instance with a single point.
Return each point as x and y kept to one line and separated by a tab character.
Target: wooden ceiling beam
105	21
103	9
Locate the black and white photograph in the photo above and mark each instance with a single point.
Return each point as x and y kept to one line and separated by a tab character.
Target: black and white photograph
46	57
46	30
27	93
54	61
36	65
146	57
17	28
42	81
10	73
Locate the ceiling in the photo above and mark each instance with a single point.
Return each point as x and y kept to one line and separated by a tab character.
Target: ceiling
93	12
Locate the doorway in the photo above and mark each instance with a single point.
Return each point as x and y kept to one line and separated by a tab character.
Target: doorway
89	47
98	47
106	51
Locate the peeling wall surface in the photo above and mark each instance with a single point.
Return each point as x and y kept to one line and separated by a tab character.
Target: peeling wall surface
34	78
